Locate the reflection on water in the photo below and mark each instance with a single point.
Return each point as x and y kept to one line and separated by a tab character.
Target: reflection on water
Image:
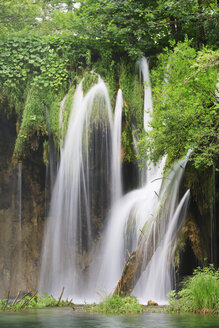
67	318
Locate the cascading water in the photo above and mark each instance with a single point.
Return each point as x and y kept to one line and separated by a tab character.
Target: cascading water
61	120
137	213
125	222
20	196
116	159
158	277
81	196
148	106
88	190
19	183
50	165
52	153
146	174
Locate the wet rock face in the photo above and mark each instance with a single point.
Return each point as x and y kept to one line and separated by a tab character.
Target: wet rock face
201	229
20	243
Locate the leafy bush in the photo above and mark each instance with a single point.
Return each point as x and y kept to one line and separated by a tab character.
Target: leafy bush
185	111
117	305
200	293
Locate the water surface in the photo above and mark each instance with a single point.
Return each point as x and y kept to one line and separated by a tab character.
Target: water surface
67	318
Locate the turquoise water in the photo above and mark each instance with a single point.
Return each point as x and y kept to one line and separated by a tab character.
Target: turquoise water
67	318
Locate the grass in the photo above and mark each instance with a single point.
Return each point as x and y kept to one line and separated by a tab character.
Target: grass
199	293
32	302
114	304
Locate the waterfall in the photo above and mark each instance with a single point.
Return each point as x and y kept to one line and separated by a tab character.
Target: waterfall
52	153
140	212
50	165
61	121
19	186
146	174
116	158
125	222
81	195
158	277
92	226
148	106
20	196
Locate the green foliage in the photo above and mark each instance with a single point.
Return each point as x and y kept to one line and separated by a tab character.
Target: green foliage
18	15
200	293
125	26
33	302
33	75
185	110
136	27
118	305
132	89
62	42
31	60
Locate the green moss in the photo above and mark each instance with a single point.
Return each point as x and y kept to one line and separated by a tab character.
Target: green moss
107	71
45	152
88	81
67	108
33	125
127	139
133	91
54	122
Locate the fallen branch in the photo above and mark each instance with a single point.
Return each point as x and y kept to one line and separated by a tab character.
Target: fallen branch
127	251
16	298
6	304
60	295
157	194
28	301
23	297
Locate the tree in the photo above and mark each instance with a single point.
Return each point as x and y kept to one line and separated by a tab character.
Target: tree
17	15
29	15
185	108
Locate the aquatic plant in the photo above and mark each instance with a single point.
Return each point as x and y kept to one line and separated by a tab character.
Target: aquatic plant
32	301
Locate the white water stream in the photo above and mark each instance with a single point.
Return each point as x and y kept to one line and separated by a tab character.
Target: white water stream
88	190
20	237
81	194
